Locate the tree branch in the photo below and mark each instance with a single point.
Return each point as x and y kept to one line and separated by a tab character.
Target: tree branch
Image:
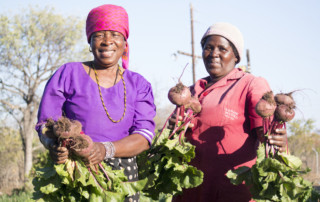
11	106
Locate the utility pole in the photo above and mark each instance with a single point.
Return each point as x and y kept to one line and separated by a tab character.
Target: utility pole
192	48
248	62
246	68
192	45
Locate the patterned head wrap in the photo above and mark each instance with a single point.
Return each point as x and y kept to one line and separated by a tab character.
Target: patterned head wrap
110	17
229	32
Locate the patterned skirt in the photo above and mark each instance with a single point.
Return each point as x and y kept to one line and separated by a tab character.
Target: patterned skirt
130	170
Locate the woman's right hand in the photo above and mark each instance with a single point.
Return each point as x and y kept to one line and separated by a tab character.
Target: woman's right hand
58	154
96	155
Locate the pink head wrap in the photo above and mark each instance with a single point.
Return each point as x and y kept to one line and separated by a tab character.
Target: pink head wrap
229	32
110	17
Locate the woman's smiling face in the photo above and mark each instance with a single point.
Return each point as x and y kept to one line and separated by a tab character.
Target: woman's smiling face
107	47
218	56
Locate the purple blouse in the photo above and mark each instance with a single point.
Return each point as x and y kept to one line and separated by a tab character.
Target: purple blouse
72	91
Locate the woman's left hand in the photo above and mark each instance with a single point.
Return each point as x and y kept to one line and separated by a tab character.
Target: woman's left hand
279	139
96	154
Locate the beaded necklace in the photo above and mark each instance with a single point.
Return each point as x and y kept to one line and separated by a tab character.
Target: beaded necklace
124	89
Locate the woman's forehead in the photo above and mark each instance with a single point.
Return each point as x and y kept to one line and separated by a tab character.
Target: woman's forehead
217	39
105	31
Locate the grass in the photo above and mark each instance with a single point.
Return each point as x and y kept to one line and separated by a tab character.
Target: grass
18	197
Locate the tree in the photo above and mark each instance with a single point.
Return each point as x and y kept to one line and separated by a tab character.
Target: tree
301	127
301	142
32	45
11	159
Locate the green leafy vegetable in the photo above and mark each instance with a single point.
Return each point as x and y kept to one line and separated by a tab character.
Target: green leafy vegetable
166	167
277	178
73	181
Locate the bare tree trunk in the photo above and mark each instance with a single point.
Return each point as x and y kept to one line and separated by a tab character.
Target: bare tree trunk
28	154
28	133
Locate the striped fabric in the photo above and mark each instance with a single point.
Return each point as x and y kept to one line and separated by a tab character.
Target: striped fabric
144	132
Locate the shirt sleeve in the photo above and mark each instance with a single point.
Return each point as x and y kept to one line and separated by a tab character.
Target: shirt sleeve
145	111
52	99
257	88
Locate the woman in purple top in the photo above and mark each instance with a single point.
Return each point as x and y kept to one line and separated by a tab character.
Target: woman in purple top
114	105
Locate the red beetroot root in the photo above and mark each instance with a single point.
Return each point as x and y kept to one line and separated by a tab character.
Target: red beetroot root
286	99
285	107
284	113
68	133
179	95
194	105
49	126
65	128
266	105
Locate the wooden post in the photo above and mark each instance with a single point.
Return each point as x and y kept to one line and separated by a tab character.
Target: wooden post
248	62
192	45
192	49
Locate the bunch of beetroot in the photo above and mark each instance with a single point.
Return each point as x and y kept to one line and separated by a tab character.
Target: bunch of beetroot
187	106
74	180
68	133
275	110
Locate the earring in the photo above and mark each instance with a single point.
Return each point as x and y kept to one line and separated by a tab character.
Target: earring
90	49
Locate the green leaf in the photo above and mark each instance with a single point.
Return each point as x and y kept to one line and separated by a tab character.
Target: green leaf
192	177
261	153
46	172
291	161
85	194
50	188
239	175
70	167
81	174
130	188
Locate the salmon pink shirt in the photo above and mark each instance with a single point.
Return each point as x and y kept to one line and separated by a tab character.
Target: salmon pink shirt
222	134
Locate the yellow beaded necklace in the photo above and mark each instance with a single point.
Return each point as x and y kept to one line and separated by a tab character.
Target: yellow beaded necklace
124	89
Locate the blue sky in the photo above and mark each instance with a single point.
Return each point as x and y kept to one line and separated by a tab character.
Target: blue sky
283	38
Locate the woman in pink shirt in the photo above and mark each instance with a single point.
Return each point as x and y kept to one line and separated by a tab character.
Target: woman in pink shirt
227	131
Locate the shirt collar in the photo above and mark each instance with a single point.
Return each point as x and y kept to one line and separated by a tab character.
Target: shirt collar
235	74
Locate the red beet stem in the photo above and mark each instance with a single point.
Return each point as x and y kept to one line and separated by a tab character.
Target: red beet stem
165	124
181	126
177	116
181	135
179	80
